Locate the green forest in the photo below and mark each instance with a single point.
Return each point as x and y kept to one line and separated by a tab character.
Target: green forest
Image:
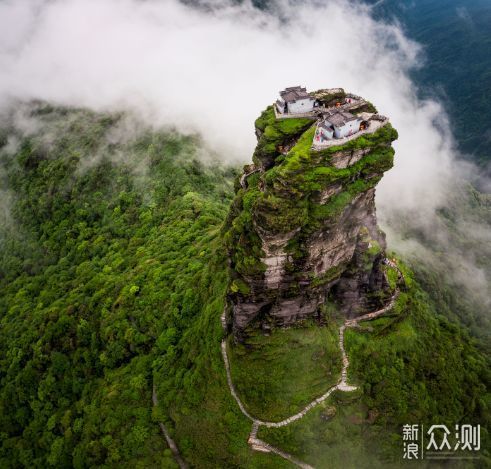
113	277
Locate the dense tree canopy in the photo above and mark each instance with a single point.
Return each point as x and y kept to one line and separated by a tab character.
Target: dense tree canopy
112	280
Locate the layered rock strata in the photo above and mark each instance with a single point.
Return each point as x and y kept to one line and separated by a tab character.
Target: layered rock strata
302	230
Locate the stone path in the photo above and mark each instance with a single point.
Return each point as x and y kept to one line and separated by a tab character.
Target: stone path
256	443
245	176
170	442
259	445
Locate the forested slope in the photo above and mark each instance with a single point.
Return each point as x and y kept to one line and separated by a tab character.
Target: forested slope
102	251
112	279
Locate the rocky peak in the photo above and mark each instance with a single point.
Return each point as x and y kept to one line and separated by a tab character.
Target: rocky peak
302	229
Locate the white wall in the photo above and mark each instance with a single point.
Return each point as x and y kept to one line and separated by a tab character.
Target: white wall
348	129
280	107
323	135
301	105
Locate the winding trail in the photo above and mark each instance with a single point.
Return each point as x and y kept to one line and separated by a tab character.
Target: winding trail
170	442
260	445
244	176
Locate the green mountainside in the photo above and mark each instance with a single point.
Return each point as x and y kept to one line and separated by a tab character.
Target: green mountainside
455	35
113	278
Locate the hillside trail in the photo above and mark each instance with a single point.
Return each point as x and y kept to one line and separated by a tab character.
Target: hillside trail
170	442
260	445
245	175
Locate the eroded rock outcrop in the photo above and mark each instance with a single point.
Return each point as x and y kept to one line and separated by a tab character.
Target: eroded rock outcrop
303	230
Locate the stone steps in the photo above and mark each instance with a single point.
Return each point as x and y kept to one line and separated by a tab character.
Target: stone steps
258	445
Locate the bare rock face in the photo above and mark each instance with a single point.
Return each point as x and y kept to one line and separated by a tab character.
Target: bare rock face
302	230
350	157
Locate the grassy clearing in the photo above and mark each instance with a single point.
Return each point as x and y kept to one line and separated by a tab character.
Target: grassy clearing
277	375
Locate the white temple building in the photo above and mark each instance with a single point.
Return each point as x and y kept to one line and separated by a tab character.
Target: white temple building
295	100
338	124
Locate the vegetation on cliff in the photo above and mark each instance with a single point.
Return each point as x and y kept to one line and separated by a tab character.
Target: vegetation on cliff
295	181
298	193
113	277
275	135
412	366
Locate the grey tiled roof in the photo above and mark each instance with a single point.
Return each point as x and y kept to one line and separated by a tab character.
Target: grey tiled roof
326	125
339	118
294	93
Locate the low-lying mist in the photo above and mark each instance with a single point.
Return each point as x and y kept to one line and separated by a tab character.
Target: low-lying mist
212	70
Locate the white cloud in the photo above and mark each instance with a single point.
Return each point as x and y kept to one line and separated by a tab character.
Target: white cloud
463	14
213	70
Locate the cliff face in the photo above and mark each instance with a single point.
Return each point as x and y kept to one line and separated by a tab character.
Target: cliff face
303	227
